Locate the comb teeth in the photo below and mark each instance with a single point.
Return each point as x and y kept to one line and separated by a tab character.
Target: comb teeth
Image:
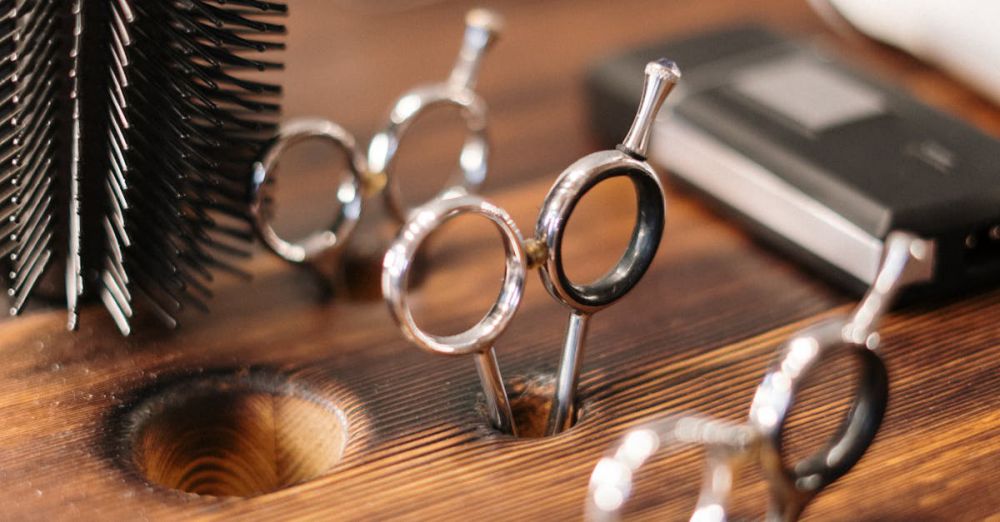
167	114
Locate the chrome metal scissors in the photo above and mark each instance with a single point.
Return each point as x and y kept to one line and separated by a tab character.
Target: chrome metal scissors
372	174
907	259
544	251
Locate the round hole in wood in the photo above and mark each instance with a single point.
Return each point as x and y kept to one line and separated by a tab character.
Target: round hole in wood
235	437
530	402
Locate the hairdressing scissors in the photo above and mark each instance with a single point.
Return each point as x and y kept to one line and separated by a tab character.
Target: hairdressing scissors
371	175
544	251
907	259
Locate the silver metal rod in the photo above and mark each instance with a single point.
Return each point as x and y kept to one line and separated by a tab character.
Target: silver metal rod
482	29
906	259
661	77
497	402
564	400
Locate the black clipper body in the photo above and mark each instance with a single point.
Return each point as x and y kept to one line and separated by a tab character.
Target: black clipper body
818	158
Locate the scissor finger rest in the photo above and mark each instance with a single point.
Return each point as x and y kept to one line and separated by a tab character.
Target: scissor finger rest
628	160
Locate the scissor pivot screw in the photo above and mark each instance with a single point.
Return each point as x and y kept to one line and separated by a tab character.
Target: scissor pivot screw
374	183
536	251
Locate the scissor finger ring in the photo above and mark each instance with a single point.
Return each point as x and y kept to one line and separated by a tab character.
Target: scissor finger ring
792	488
350	194
571	187
399	259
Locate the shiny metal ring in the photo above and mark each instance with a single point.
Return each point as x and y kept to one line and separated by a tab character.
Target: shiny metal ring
399	259
800	357
474	156
726	444
569	189
350	193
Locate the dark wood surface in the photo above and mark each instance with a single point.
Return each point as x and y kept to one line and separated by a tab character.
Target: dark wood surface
696	335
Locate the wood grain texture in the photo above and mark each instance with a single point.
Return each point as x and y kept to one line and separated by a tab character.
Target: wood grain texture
696	335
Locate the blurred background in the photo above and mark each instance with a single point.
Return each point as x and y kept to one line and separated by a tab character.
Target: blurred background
348	60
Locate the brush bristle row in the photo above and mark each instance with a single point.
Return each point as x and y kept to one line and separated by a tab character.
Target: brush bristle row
149	114
32	91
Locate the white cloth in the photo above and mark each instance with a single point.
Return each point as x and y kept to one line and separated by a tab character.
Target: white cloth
960	36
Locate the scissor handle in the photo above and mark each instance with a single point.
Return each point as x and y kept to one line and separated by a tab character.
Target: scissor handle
571	187
573	184
483	27
726	446
906	259
792	488
321	242
399	259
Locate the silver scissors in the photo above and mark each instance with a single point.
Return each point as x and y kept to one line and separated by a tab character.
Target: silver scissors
371	174
544	251
908	259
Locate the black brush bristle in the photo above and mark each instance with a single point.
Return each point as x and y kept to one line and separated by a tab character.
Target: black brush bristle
168	103
34	85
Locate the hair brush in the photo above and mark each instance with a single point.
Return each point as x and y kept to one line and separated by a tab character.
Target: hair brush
127	132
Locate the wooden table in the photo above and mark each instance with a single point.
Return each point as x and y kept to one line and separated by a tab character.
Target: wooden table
696	335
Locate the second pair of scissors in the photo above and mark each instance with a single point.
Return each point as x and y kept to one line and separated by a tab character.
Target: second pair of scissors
371	174
544	251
